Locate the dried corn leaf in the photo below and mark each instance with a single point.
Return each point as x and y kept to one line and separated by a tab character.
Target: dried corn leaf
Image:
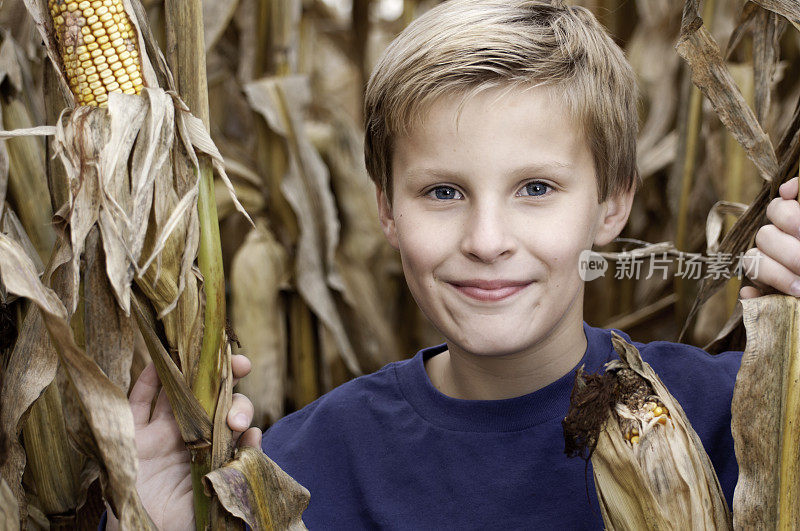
766	28
31	367
217	14
654	36
282	101
193	422
12	227
9	511
759	404
252	198
9	63
362	246
740	237
699	49
716	219
252	487
104	405
259	271
789	9
108	331
663	480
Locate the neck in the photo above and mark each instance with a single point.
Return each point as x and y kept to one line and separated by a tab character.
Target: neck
460	374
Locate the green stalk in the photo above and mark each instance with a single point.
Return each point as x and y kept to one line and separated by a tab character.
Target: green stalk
185	42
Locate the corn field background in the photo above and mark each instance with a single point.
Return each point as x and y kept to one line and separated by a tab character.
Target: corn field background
315	295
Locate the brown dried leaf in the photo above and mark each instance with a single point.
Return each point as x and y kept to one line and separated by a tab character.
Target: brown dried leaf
699	49
259	271
9	510
282	102
716	219
217	15
31	367
757	409
362	246
193	422
766	28
252	487
104	404
789	9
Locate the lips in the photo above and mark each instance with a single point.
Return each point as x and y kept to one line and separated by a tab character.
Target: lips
490	290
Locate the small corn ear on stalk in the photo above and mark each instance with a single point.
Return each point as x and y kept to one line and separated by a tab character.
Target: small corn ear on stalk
650	468
98	47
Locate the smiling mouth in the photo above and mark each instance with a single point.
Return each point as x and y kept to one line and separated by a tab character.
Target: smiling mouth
489	291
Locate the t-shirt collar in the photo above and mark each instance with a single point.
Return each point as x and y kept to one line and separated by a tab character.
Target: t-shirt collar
512	414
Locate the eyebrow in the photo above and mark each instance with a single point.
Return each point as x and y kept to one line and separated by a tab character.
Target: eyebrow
555	166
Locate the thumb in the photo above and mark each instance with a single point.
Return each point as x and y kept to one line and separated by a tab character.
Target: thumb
251	437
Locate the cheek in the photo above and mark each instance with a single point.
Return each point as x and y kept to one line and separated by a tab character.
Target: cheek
421	250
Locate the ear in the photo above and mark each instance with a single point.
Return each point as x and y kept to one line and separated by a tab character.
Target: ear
387	217
614	214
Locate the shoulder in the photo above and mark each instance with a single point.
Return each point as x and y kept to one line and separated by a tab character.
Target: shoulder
333	413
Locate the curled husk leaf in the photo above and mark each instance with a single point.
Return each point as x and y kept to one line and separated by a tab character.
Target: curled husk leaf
252	487
650	469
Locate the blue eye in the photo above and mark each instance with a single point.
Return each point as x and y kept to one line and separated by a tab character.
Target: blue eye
444	193
536	188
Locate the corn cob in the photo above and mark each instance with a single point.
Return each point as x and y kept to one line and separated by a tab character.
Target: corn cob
98	48
649	466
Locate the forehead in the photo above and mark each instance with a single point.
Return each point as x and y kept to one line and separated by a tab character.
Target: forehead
496	129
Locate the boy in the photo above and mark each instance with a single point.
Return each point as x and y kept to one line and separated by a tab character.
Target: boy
501	138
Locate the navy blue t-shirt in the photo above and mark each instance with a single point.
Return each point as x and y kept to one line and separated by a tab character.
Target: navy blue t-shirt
388	450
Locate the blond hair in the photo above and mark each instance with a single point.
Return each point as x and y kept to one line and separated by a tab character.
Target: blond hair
465	46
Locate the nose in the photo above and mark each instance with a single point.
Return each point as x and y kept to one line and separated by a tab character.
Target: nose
488	234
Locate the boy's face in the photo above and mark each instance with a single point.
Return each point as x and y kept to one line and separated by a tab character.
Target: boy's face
491	210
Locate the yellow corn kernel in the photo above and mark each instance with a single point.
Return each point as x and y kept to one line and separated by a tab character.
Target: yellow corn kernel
104	56
635	439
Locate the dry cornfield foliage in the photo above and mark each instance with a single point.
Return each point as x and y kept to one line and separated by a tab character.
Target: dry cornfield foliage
315	294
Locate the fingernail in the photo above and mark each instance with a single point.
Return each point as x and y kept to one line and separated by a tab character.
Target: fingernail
241	419
794	289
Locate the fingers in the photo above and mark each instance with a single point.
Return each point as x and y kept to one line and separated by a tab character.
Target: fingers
766	272
241	413
142	394
240	367
749	292
251	437
788	190
785	214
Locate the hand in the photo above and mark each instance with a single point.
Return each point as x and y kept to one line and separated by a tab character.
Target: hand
164	481
774	264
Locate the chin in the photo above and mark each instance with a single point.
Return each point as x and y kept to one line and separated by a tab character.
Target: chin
494	346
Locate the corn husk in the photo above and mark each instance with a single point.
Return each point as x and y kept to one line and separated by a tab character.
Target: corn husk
663	481
765	426
260	270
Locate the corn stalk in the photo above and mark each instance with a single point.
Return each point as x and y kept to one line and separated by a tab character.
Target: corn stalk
136	167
